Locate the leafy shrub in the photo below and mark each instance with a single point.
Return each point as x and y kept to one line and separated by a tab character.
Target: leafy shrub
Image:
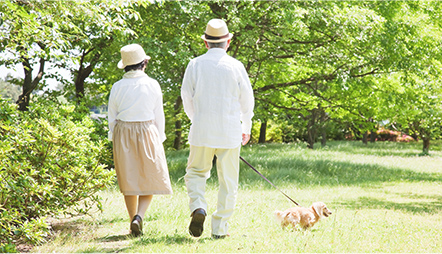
49	165
273	133
404	138
100	134
293	129
387	135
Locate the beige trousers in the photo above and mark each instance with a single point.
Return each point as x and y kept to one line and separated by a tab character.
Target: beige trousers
198	171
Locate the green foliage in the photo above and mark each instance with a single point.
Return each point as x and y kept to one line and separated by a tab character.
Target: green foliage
8	248
274	132
325	62
292	129
9	90
100	134
49	165
420	106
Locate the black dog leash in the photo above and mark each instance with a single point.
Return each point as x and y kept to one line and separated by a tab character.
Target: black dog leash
248	164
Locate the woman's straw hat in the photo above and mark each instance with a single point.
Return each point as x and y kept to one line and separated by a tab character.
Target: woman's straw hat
216	31
132	54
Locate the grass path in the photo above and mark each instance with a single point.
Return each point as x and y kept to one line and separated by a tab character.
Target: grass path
384	198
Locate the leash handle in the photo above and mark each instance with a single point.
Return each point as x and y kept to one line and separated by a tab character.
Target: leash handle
248	164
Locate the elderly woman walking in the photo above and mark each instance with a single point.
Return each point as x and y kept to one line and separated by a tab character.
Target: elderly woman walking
136	128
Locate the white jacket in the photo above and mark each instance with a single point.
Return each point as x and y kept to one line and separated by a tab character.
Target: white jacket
218	99
136	98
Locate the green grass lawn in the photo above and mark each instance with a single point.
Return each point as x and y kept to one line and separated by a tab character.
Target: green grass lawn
384	198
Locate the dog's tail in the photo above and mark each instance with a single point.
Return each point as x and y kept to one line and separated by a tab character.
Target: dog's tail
279	215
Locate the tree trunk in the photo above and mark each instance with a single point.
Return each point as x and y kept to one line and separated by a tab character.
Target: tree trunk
84	72
29	84
364	135
324	137
365	138
426	145
311	130
262	132
373	136
373	133
323	128
79	83
178	124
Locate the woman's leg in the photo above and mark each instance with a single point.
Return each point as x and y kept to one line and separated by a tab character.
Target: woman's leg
143	204
137	205
131	205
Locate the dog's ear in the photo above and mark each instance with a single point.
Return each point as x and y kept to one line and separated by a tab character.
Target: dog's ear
318	207
279	215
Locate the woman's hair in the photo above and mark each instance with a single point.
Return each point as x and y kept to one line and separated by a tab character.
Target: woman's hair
134	67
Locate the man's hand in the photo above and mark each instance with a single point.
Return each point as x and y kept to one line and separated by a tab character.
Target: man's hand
245	138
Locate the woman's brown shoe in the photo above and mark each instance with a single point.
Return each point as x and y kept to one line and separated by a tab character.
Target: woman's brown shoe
136	226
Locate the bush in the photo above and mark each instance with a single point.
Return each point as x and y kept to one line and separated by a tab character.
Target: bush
387	135
404	138
100	134
49	166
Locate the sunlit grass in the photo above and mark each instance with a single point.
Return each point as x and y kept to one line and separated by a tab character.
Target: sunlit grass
384	198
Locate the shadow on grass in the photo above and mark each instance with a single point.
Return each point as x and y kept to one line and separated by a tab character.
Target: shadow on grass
111	220
330	173
293	164
114	238
173	240
104	250
164	239
110	243
71	227
124	243
121	243
412	207
383	148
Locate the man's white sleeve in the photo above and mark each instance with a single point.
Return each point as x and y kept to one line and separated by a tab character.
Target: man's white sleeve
247	102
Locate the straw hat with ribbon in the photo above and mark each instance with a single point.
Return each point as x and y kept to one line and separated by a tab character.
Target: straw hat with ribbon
216	31
132	54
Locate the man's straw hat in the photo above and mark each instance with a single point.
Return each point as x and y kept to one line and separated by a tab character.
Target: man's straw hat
132	54
216	31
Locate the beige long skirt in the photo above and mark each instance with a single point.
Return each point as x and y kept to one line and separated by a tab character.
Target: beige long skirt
140	161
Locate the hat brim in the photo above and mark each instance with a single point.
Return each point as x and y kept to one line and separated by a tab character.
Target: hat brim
216	41
121	65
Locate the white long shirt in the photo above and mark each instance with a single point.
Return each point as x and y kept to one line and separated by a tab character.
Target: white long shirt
218	99
136	98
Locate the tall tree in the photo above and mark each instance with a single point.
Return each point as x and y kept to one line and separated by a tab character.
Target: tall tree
72	35
29	34
311	64
169	31
101	33
415	56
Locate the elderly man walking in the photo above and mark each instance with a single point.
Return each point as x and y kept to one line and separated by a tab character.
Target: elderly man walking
218	99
